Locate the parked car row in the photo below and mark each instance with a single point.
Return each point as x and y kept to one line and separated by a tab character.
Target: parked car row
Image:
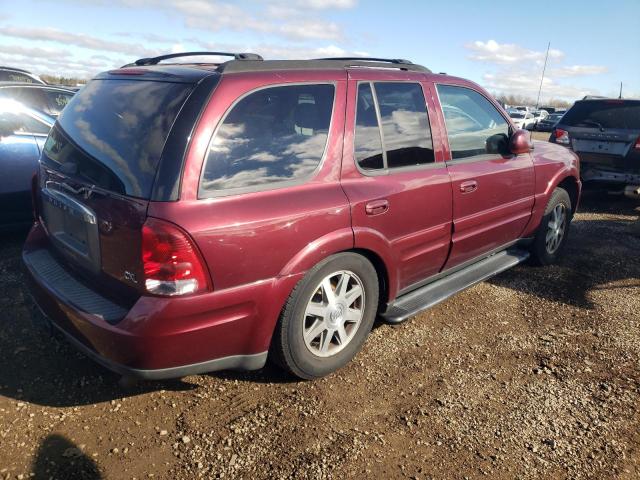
605	133
28	108
274	209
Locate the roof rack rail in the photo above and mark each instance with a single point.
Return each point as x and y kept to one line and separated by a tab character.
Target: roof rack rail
319	64
156	60
397	61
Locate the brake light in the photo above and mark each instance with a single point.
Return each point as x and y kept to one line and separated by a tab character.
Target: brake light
637	145
127	71
172	263
562	136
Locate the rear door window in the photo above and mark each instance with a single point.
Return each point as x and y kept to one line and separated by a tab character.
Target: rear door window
10	76
21	123
113	132
368	142
31	97
272	135
406	134
623	114
472	121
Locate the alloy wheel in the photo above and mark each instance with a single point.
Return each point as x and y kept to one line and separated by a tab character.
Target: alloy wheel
334	313
556	228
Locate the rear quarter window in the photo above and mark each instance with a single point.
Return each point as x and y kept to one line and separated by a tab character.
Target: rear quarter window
272	135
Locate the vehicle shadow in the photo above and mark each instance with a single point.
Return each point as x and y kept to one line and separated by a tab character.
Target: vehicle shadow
601	249
58	457
44	369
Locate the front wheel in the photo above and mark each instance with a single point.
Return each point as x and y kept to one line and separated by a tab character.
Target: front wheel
552	233
327	317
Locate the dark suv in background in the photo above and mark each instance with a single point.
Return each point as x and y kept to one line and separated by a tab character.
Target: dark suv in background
605	133
205	216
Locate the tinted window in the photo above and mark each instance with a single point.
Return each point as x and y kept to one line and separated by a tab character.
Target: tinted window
9	76
117	130
405	124
472	121
21	123
368	146
31	97
605	113
57	100
271	135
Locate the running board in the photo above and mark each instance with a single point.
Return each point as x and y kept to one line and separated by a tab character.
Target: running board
418	300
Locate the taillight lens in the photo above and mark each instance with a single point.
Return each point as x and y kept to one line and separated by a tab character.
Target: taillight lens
562	136
637	145
172	263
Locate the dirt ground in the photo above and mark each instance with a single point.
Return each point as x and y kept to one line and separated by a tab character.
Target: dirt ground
534	374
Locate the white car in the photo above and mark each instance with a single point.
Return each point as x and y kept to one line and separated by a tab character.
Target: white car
522	120
538	116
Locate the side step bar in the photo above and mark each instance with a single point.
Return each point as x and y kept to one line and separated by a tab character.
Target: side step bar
418	300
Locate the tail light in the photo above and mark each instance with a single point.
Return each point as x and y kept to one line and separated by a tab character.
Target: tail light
637	145
562	136
172	263
34	197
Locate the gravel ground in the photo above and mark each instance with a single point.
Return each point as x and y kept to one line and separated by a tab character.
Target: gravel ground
534	374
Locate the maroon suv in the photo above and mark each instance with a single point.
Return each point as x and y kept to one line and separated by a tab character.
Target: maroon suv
200	217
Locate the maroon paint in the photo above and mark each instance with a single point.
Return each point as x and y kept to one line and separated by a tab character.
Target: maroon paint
257	246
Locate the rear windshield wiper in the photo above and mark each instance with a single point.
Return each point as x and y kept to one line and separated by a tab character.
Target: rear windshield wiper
592	122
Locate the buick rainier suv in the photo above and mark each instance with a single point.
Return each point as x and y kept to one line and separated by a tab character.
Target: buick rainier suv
203	216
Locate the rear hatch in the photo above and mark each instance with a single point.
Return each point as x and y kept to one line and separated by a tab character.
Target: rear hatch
97	175
605	133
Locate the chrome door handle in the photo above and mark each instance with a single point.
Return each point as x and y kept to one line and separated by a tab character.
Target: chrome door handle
468	187
377	207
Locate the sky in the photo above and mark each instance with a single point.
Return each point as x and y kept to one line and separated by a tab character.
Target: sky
500	44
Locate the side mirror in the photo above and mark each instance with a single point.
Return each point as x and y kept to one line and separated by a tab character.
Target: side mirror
498	144
520	142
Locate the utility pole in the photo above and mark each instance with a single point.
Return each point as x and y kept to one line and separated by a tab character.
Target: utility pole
543	70
620	96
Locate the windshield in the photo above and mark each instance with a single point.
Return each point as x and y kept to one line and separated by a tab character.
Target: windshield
623	114
516	115
112	133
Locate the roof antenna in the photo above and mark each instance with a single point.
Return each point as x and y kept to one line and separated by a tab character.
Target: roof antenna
620	96
542	78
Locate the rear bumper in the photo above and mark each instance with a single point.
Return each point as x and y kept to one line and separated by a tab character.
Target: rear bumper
160	338
590	173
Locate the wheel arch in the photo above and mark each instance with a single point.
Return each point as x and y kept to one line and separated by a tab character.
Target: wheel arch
570	184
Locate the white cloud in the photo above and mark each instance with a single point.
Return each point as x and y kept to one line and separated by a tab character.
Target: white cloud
507	53
527	85
311	30
577	70
300	25
77	39
515	69
326	4
294	20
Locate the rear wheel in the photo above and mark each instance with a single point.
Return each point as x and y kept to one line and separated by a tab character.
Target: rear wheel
552	233
327	317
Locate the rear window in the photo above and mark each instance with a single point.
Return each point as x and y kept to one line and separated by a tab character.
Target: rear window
11	76
112	133
605	114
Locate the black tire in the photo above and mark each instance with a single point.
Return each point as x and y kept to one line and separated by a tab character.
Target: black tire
288	347
541	254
